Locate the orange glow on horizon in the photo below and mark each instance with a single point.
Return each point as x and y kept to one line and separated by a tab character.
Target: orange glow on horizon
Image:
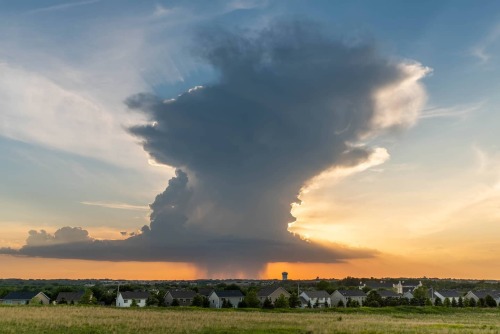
389	266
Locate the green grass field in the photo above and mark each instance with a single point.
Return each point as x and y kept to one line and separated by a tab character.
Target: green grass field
80	319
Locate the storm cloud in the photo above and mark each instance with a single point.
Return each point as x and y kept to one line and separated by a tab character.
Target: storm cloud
290	102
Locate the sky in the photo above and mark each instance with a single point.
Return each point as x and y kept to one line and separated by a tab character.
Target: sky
184	140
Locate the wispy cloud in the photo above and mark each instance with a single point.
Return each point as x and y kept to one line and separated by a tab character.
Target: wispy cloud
115	205
459	111
482	50
63	6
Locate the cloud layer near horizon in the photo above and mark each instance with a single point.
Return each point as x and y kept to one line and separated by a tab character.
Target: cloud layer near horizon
290	103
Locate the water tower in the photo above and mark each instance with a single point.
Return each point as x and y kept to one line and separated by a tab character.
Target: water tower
284	276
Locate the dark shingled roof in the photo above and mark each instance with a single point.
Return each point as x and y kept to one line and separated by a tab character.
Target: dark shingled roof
449	293
70	296
484	293
228	293
317	294
20	295
135	294
379	284
264	292
352	293
182	294
205	291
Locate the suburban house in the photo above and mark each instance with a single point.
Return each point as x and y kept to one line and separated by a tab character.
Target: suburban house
388	294
346	295
127	298
217	298
272	292
476	295
184	297
443	294
318	299
405	286
24	298
376	285
70	297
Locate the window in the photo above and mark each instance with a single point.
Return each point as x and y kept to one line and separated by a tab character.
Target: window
125	301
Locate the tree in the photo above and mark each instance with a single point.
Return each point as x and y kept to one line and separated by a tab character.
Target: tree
134	303
420	294
454	302
309	305
35	301
206	302
281	302
373	299
322	285
268	303
472	302
197	301
86	298
428	302
447	302
489	301
226	303
340	303
438	302
294	300
175	302
316	304
251	299
460	302
153	300
481	302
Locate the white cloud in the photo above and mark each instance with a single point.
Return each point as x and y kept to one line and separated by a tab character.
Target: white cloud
482	50
458	111
114	205
63	6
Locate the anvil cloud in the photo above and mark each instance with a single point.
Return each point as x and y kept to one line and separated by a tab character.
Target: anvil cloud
290	103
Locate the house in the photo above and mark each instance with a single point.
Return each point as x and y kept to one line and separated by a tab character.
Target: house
127	298
476	295
24	298
405	286
184	297
346	295
217	298
318	299
272	292
443	294
70	297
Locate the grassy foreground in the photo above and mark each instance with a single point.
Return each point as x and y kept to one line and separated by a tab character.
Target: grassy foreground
74	319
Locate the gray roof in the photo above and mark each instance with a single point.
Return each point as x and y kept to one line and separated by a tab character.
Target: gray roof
484	293
185	294
70	296
228	293
135	294
448	293
317	294
205	291
352	293
20	295
379	284
264	292
388	293
410	283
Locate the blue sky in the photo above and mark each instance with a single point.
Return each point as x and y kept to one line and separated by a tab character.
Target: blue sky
66	68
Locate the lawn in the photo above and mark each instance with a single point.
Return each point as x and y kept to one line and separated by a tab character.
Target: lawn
80	319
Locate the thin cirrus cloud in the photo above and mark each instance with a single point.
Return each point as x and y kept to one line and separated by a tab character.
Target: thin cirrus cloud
114	205
290	103
63	6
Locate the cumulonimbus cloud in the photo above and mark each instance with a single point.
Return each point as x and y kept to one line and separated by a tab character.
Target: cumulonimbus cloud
290	102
